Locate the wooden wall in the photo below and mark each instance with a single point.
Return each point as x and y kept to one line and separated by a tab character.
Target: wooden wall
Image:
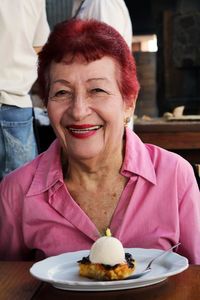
146	69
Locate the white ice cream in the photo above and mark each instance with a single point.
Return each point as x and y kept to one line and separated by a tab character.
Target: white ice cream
107	250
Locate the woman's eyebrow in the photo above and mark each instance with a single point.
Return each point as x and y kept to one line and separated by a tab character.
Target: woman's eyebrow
60	81
98	79
66	82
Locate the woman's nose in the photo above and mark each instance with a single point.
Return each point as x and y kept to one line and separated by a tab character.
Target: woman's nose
80	107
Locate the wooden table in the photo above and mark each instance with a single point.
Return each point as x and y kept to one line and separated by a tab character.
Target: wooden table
17	284
180	137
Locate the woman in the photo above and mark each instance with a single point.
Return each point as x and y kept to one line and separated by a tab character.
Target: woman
98	173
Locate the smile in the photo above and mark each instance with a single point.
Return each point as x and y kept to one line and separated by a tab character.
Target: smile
83	131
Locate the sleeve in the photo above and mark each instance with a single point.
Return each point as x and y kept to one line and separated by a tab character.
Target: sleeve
189	214
42	29
11	235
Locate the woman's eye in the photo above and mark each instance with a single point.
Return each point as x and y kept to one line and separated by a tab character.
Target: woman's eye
98	90
61	95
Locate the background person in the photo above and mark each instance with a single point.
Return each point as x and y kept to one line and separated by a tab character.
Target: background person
23	31
97	173
113	12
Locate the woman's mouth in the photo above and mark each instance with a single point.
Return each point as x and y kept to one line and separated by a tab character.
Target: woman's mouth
83	131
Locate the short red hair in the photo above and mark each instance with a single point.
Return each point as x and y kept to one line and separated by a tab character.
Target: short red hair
91	40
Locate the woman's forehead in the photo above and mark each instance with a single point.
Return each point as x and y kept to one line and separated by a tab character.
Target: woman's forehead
101	68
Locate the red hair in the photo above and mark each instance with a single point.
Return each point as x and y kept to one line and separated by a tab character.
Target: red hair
90	40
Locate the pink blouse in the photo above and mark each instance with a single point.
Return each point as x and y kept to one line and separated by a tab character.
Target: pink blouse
159	206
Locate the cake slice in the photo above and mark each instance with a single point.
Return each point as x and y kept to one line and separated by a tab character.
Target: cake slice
107	260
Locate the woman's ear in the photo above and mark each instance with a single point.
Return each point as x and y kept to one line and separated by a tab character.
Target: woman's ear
130	106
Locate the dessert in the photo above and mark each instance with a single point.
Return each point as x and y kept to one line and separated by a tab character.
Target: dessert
107	260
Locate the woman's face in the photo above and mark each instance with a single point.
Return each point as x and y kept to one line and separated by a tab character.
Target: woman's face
86	108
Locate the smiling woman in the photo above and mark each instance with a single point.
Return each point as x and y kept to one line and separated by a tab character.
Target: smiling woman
98	173
92	107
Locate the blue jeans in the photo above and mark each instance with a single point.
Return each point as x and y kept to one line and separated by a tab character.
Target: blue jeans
17	140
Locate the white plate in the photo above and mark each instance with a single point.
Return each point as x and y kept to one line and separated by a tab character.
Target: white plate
62	271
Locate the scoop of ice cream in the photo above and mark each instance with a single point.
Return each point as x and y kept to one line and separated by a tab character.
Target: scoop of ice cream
107	250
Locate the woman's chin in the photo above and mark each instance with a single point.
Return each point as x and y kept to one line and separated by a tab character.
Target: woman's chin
84	149
85	155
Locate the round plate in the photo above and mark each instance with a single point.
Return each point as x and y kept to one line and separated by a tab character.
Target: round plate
62	271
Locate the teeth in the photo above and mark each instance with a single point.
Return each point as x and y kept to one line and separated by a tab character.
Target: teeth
84	130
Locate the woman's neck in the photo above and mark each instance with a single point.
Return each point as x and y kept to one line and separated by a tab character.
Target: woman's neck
93	170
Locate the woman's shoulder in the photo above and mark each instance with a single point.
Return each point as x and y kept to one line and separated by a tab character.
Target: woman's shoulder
157	158
157	155
26	172
164	156
19	180
15	187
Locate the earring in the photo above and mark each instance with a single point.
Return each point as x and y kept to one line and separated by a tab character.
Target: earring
126	121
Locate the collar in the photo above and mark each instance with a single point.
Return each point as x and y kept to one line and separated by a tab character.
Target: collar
48	173
137	158
49	170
